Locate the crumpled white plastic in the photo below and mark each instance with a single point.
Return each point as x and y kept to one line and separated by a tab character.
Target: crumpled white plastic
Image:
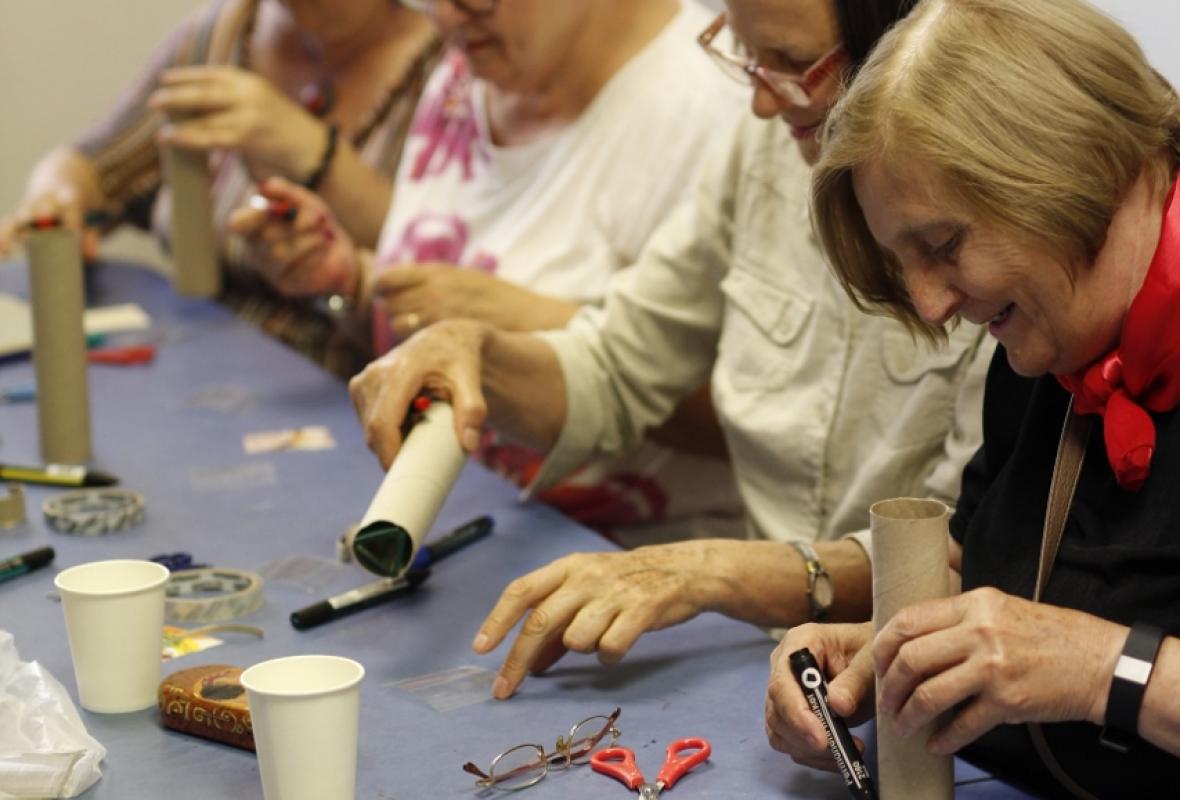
45	751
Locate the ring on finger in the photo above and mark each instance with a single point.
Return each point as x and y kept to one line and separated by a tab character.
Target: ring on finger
413	321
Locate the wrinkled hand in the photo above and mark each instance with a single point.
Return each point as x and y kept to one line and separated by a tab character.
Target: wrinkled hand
589	602
444	359
62	202
1009	659
223	107
416	295
844	655
308	255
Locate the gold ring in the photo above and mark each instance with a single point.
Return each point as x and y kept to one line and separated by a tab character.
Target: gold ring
413	321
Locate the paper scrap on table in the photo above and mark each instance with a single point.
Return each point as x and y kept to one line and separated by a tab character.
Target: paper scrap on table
309	437
177	644
451	688
16	322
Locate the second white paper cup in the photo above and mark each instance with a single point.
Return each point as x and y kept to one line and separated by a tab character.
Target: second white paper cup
115	621
305	711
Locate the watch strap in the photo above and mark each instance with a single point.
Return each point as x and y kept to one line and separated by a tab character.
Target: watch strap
815	572
1128	685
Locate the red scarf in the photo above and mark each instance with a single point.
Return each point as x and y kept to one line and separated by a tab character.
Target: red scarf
1143	373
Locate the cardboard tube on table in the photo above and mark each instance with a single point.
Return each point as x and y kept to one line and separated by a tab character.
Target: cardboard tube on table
409	498
909	565
194	246
59	345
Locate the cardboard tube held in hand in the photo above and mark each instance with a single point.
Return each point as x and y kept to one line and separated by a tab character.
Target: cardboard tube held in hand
409	498
910	564
59	345
194	254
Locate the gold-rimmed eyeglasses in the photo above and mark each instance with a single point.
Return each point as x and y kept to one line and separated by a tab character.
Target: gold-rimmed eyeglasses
790	89
474	8
525	764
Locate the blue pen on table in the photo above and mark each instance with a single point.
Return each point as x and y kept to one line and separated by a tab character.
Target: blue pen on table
451	543
18	393
25	562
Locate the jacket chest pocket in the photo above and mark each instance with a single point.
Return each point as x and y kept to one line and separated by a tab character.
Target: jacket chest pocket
761	332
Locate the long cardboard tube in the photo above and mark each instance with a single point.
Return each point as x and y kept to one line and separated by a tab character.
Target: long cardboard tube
408	500
59	345
909	565
197	272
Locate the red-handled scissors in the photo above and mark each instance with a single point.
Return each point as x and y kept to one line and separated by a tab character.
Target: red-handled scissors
619	763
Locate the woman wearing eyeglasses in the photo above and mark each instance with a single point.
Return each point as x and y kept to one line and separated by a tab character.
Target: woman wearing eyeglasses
824	409
319	93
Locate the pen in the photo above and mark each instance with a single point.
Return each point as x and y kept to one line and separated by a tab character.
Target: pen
379	591
57	475
25	562
276	209
848	760
465	534
18	393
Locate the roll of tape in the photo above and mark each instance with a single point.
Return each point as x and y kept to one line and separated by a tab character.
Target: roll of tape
93	512
211	595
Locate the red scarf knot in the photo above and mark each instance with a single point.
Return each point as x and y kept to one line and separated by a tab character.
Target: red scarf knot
1143	373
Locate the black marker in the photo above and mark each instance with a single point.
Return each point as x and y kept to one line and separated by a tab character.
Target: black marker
815	689
57	475
25	562
370	594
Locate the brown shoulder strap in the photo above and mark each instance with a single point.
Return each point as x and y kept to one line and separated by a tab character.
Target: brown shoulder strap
1071	451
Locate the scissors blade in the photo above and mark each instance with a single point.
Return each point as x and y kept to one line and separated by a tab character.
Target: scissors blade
650	791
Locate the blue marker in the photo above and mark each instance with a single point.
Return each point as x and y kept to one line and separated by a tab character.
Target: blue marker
18	393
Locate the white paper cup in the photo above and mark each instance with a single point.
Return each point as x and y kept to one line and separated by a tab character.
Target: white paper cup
305	710
115	622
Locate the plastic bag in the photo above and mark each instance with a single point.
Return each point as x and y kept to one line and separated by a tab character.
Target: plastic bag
45	750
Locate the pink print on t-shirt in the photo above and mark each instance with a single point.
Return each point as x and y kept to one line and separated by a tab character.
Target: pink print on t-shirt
446	119
440	238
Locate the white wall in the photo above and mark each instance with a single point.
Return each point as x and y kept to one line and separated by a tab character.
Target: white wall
64	61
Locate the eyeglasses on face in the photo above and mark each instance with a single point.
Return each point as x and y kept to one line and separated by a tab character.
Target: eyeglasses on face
474	8
790	89
525	764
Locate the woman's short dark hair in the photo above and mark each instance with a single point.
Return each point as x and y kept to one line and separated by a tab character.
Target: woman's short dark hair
863	22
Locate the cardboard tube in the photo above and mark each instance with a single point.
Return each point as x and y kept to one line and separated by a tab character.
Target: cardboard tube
409	498
909	565
194	246
59	345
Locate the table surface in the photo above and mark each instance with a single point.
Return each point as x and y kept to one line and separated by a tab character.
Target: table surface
173	431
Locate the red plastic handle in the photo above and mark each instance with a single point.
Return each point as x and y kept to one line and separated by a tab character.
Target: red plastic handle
135	354
675	765
618	763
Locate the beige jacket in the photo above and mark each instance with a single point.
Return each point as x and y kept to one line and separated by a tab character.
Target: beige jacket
826	409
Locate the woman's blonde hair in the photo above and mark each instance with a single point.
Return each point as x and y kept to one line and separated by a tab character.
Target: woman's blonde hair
1039	116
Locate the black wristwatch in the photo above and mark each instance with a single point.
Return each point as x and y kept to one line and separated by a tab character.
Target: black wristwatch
820	593
1127	687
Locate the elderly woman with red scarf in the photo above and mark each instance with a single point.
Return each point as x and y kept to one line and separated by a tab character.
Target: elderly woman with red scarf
1013	163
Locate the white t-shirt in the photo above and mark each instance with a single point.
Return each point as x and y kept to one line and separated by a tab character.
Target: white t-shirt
561	215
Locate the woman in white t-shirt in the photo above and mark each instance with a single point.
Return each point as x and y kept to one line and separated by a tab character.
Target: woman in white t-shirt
545	149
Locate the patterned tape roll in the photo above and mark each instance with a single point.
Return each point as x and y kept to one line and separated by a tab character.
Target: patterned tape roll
211	595
93	512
